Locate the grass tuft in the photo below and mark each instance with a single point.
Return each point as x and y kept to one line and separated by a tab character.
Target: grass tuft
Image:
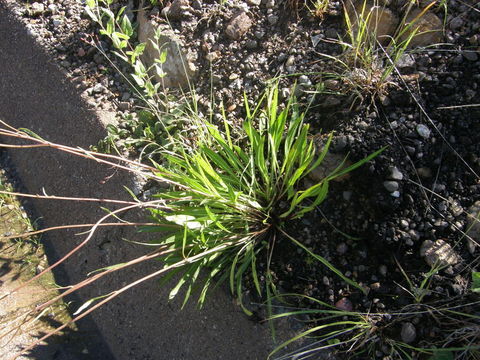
240	192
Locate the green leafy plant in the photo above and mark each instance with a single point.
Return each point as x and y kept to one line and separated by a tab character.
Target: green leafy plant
318	8
162	114
118	28
368	57
362	335
330	328
241	194
370	65
141	133
423	289
476	281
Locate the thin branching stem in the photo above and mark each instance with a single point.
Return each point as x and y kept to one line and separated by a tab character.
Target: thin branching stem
155	203
75	226
69	198
118	292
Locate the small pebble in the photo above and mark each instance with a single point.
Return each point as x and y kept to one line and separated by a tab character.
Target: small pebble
395	174
423	131
375	286
344	304
438	253
290	61
383	270
470	55
347	195
98	88
304	80
52	8
424	172
390	186
285	93
456	23
37	8
251	44
405	61
408	333
124	105
414	234
269	4
259	34
57	22
272	19
342	248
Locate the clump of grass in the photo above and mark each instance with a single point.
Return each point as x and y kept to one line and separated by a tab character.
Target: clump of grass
363	54
241	194
318	8
369	57
355	335
419	292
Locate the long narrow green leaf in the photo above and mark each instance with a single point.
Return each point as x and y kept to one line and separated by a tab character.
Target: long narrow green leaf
357	164
324	262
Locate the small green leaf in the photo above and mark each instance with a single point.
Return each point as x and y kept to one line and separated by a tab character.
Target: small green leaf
108	13
150	91
139	68
442	355
163	56
476	281
120	12
90	13
116	41
122	36
138	80
126	26
110	26
139	49
158	33
30	133
333	341
159	71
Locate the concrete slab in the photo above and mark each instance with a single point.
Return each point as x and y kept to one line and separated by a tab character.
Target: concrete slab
141	324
